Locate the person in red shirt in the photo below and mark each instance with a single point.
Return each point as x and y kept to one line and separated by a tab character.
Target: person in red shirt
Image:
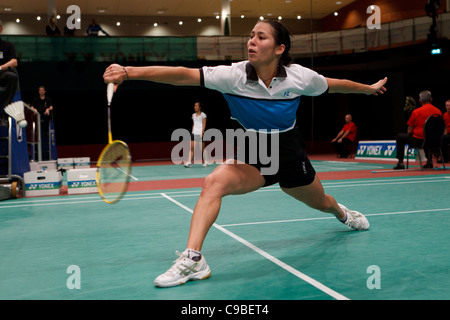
414	137
345	138
446	138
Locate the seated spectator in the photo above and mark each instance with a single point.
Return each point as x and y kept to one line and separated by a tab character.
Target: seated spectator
345	138
8	75
414	136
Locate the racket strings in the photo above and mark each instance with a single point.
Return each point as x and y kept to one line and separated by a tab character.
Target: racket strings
114	171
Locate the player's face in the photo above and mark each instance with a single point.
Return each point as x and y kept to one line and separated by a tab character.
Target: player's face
196	107
447	106
261	45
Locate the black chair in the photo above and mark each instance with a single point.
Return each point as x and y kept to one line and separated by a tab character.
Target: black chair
433	132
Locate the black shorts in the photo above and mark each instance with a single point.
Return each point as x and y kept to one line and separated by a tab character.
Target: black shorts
294	167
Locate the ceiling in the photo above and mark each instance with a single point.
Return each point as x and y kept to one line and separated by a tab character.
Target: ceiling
180	8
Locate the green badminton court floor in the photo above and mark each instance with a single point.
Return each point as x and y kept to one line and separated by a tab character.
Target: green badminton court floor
264	245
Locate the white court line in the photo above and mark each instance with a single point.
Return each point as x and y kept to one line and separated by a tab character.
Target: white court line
271	258
326	218
382	183
29	202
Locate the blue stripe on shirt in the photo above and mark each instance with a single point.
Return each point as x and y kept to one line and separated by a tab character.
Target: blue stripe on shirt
263	114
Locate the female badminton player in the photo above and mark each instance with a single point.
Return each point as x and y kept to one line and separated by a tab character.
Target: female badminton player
262	93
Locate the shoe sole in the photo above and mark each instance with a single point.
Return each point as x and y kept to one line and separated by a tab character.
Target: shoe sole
193	277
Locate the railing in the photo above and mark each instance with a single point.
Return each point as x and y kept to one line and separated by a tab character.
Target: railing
107	49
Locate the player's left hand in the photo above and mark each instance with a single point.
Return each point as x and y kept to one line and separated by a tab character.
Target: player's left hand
378	88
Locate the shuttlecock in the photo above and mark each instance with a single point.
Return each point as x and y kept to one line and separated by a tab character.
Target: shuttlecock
16	111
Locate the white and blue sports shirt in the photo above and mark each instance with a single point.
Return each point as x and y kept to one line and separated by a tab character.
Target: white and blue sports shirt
257	107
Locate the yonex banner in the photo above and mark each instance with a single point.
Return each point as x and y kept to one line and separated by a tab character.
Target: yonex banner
42	183
81	180
381	150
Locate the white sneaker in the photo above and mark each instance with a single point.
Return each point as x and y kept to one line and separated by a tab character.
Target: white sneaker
183	270
187	164
207	164
355	220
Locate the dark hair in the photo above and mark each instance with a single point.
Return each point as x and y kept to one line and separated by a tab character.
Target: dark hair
201	106
282	36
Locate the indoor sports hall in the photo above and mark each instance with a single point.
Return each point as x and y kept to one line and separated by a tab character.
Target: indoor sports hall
63	238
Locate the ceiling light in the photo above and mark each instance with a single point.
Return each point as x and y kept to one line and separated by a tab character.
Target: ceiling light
336	14
199	20
118	23
242	16
38	18
8	9
299	17
217	17
180	23
58	17
155	24
261	18
280	18
17	20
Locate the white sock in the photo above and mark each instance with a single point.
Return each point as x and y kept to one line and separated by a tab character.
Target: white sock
194	254
345	216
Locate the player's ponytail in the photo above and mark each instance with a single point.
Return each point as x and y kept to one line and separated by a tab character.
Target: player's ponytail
282	36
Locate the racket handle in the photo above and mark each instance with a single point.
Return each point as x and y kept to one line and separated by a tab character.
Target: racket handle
110	92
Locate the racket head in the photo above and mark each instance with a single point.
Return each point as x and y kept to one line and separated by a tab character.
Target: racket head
113	171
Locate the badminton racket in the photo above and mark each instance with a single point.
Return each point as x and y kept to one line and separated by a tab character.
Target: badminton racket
114	163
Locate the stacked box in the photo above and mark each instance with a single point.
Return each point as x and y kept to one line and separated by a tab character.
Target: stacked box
43	165
81	181
42	183
65	163
82	163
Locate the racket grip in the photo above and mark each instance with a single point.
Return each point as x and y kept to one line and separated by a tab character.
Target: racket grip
110	92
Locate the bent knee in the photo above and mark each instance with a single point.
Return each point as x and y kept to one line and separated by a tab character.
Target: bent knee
214	185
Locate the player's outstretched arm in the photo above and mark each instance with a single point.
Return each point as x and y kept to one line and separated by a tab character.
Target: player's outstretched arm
163	74
348	86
